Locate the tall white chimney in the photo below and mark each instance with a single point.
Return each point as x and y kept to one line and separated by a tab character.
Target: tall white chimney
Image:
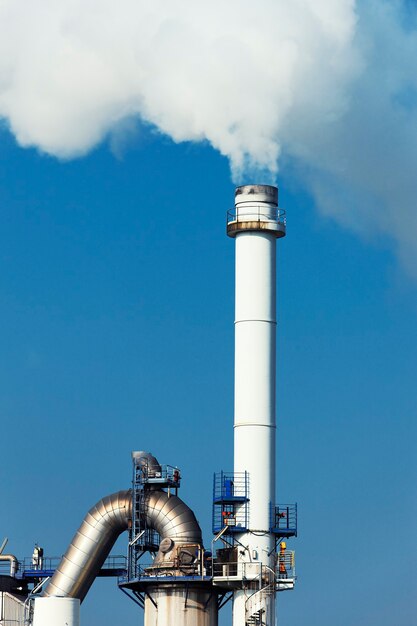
255	224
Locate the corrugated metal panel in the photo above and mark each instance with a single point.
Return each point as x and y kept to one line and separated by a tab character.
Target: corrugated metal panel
12	610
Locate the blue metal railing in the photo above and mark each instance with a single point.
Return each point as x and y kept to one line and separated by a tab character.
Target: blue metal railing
168	474
284	520
114	565
230	487
230	501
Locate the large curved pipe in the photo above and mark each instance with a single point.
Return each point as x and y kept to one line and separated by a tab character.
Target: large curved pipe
14	563
91	545
172	519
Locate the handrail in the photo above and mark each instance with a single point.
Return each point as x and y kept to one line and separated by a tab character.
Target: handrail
254	602
150	571
229	489
284	568
50	563
257	212
164	473
284	518
240	569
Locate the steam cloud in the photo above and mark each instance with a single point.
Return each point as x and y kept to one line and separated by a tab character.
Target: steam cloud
330	85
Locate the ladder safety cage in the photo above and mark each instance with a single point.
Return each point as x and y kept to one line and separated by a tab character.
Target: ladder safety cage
142	538
230	502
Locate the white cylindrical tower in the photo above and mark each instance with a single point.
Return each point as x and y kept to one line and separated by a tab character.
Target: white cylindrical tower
55	611
256	223
180	605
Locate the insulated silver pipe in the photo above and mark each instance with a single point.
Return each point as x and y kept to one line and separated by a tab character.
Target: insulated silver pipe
14	563
148	463
91	545
172	519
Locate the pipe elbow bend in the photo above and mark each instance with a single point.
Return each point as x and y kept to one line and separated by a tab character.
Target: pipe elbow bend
91	545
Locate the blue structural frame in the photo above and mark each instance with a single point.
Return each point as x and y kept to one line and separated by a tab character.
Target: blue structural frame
230	502
114	566
231	507
283	520
142	538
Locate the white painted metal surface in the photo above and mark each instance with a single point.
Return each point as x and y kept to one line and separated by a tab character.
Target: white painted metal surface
180	607
255	356
56	612
12	610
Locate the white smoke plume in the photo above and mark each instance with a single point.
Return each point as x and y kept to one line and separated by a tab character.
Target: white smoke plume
330	84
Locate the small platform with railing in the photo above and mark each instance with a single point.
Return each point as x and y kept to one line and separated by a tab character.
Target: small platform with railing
165	476
284	520
114	566
230	502
256	217
237	575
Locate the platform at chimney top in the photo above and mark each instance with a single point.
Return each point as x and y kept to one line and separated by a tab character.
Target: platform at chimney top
256	217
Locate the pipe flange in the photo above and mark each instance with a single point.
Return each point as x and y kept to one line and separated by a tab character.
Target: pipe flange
166	545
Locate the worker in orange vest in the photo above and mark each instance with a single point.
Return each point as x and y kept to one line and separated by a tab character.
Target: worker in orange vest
281	560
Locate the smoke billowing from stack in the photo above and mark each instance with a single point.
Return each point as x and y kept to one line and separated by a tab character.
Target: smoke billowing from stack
230	73
326	85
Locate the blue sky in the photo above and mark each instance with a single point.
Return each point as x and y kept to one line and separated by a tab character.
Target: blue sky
117	334
117	281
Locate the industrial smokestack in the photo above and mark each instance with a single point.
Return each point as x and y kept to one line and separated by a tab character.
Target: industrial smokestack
256	223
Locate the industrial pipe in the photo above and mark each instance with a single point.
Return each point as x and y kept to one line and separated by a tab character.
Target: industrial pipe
172	519
91	546
148	463
14	563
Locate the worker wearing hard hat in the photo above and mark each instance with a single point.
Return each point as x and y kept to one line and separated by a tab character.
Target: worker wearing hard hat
281	560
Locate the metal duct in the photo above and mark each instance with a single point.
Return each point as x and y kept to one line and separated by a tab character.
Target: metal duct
172	519
148	462
91	545
14	563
